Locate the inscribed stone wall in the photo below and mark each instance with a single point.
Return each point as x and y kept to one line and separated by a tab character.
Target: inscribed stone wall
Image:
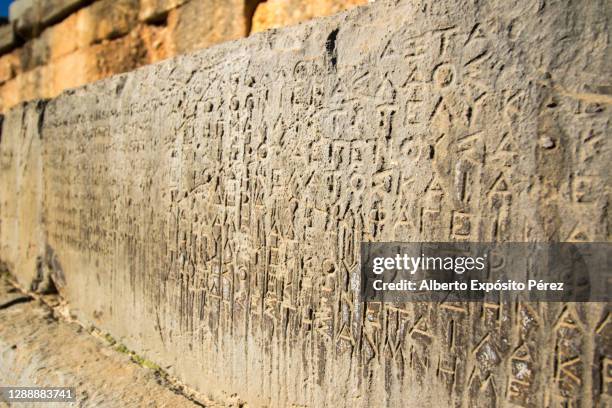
208	210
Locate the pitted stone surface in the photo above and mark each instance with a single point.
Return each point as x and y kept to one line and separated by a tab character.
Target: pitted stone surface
208	210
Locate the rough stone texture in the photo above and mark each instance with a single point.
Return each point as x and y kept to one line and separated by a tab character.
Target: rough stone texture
38	350
280	13
208	210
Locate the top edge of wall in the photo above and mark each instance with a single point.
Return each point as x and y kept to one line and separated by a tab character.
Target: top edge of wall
212	54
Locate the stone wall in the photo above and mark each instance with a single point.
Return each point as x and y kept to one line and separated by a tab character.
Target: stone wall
208	210
52	45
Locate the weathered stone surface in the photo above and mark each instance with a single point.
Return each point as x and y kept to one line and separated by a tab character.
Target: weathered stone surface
10	66
25	17
107	32
107	19
200	24
120	55
37	350
178	28
85	65
8	41
30	17
208	210
155	40
281	13
52	11
26	86
154	10
93	63
18	8
34	54
103	20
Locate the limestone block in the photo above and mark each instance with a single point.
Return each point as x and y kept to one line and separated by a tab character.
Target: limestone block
280	13
46	81
96	62
66	36
208	209
84	65
106	19
26	86
101	21
200	24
